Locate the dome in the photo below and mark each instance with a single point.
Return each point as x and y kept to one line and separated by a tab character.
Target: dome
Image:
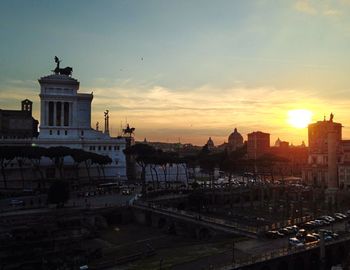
278	142
210	143
235	140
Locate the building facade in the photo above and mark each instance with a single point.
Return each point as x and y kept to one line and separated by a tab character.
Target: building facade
65	120
258	144
18	124
326	154
235	141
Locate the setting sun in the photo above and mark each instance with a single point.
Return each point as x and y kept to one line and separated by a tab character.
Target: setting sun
299	118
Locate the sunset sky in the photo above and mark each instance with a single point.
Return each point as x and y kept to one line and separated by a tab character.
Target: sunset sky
186	70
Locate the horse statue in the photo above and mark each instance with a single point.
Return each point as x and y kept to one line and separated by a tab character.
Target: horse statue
128	130
63	71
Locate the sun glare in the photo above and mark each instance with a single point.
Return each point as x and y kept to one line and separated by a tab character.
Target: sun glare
299	118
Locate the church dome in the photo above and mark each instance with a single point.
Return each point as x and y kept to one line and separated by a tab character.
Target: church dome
278	142
235	140
210	143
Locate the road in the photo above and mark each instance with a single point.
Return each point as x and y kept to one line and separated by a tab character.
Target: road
247	248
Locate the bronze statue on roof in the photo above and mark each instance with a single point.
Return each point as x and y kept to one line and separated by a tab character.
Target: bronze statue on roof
63	71
128	130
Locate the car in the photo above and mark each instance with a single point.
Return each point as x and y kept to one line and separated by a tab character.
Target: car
319	222
335	235
316	235
341	214
126	192
290	230
338	216
325	232
295	242
310	225
16	202
326	222
295	228
301	234
327	218
328	238
284	231
311	239
273	234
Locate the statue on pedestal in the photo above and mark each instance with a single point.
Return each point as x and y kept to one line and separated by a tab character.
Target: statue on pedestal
63	71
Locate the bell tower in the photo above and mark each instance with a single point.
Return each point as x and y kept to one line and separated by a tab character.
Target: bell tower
27	106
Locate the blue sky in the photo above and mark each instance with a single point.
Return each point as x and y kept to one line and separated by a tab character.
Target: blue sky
185	69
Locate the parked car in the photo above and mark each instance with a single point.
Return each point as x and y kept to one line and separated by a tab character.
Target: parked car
310	225
338	216
328	238
273	234
284	231
341	214
126	192
16	202
328	218
311	239
295	242
301	234
319	222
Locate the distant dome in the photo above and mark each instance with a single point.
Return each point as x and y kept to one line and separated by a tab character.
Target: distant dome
210	143
278	142
235	140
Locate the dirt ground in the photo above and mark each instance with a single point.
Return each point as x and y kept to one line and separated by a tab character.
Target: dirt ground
171	251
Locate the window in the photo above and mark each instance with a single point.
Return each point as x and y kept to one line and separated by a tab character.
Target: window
109	147
82	133
104	147
66	114
90	148
58	132
115	148
58	113
99	148
51	108
50	131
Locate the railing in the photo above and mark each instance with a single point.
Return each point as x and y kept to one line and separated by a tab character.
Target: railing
193	215
285	251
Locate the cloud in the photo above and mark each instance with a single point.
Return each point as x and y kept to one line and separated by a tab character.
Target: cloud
164	114
203	111
305	6
331	12
326	8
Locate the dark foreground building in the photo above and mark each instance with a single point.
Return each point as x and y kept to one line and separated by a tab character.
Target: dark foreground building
18	124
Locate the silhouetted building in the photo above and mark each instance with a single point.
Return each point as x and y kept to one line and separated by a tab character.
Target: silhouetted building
325	153
235	141
258	144
295	157
281	144
210	144
18	124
